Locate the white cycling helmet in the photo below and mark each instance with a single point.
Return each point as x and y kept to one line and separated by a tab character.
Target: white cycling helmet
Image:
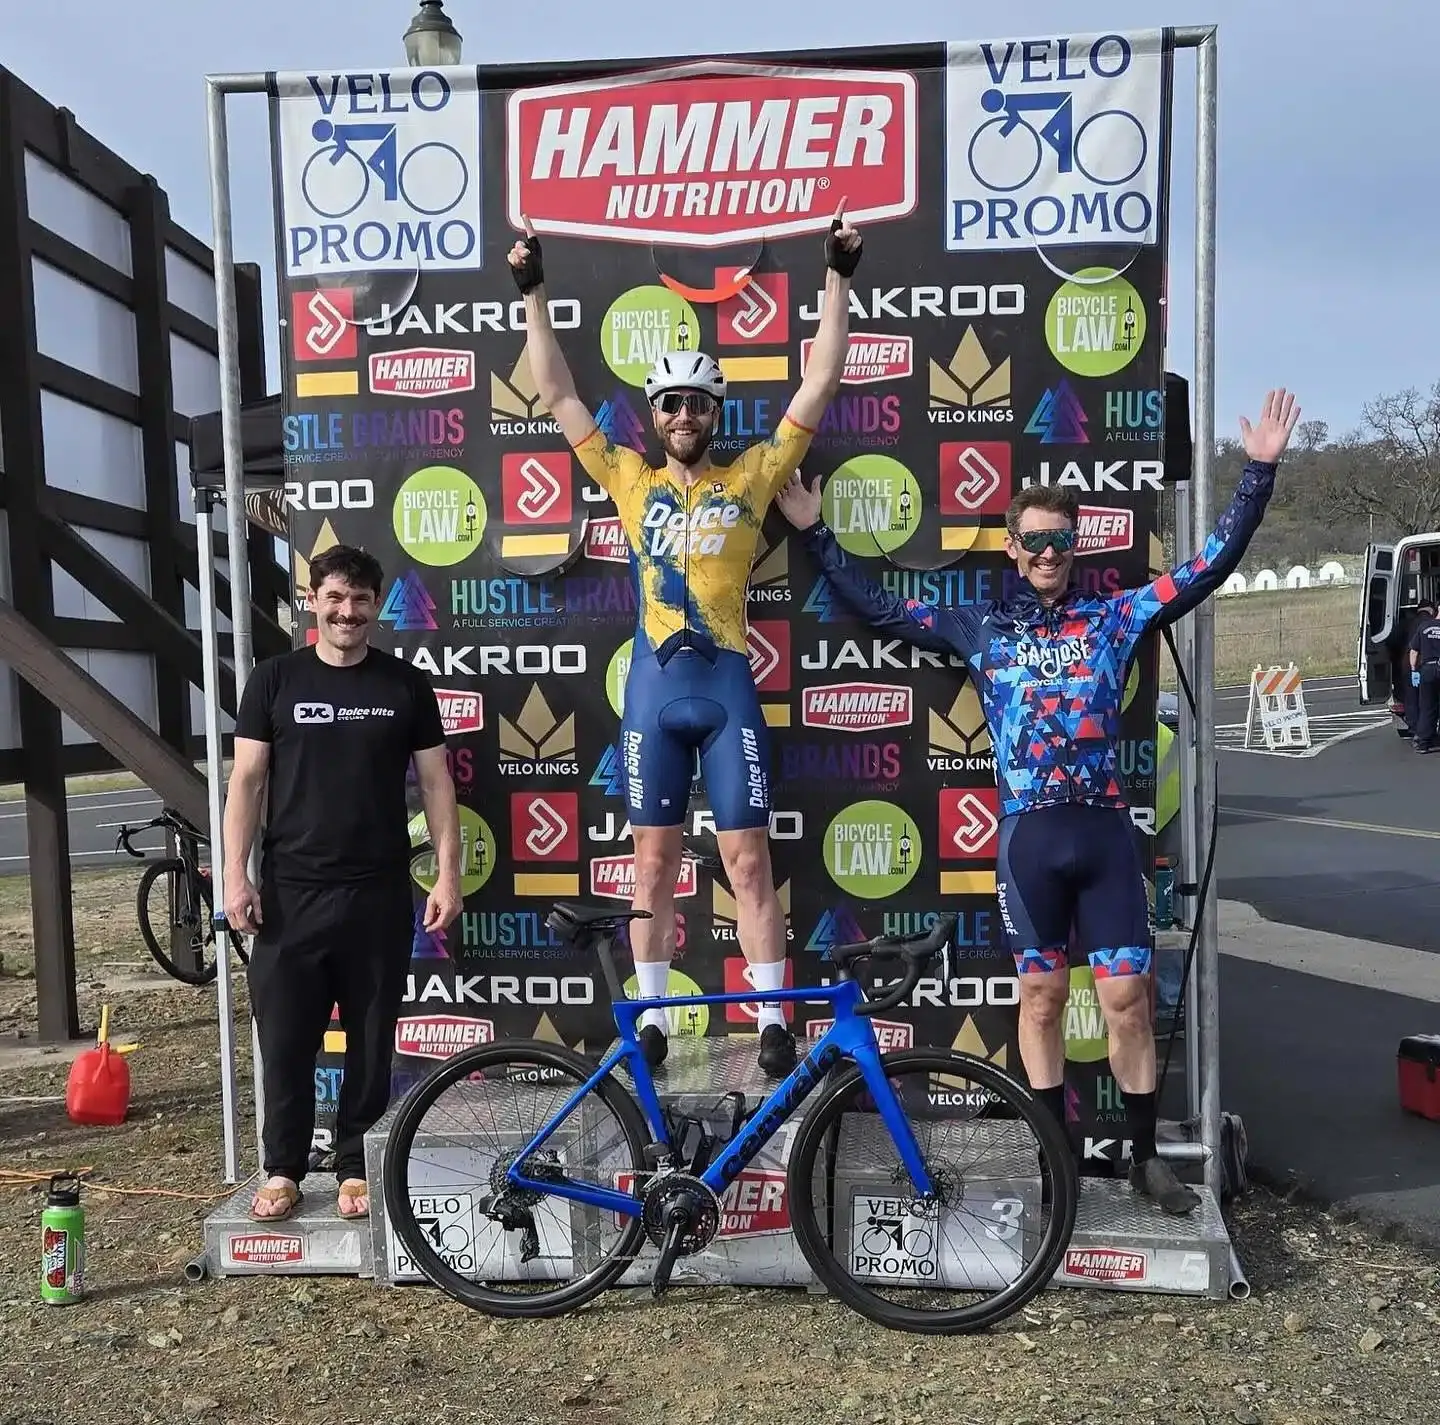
685	371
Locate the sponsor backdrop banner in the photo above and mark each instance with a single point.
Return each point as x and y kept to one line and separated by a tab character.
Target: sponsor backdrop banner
1007	326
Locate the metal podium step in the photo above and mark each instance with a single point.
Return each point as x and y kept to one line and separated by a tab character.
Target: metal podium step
314	1241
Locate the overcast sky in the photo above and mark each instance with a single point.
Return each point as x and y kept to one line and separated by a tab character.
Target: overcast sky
1328	186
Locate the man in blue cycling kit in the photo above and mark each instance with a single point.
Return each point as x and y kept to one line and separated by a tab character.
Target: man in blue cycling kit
1050	663
693	527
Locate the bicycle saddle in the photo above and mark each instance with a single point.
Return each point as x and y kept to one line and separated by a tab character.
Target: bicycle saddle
567	920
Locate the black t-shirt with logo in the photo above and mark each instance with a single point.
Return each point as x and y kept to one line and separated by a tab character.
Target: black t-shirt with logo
1426	642
340	740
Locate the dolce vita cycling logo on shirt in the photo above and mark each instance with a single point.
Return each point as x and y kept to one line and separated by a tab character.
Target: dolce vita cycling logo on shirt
873	504
1095	325
477	853
641	326
439	516
872	850
672	532
309	714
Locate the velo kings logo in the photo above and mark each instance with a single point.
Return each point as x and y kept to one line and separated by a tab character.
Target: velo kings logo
379	172
1050	142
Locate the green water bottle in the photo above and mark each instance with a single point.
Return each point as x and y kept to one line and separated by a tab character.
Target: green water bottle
62	1233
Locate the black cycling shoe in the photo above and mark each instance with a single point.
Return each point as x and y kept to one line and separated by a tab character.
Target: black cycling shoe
778	1054
1155	1179
655	1044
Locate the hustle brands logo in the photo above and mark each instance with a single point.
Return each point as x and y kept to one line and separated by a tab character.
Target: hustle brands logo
382	172
1095	325
873	764
837	926
477	852
617	422
536	486
1100	530
869	356
614	878
873	504
439	516
969	823
422	371
460	712
503	603
740	980
712	153
767	642
515	404
770	573
315	437
872	850
606	540
1134	415
970	389
408	606
850	421
959	736
975	477
322	325
537	743
857	707
643	325
544	826
438	1036
1059	418
725	918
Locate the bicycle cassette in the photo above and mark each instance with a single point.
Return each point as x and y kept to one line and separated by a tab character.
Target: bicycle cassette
703	1205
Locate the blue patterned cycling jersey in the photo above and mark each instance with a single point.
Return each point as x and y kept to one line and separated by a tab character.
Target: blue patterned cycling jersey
1052	679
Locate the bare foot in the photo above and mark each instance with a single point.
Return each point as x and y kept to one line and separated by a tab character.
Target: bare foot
276	1199
354	1198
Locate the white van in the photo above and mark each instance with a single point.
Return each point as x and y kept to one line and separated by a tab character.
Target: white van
1399	577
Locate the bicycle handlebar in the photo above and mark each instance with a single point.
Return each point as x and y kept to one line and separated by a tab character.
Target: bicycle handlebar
917	950
171	820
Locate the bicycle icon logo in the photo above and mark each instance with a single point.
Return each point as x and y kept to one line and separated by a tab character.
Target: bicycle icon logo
1007	151
431	179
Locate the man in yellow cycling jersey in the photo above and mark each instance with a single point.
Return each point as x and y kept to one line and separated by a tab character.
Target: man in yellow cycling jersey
692	528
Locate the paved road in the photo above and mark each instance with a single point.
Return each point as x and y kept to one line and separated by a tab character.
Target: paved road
94	820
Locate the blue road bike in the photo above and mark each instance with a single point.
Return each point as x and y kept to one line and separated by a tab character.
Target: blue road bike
926	1188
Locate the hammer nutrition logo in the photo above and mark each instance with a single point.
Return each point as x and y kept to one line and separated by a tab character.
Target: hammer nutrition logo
438	1036
379	172
421	371
709	154
857	707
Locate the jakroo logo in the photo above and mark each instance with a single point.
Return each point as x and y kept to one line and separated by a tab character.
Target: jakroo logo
970	386
536	734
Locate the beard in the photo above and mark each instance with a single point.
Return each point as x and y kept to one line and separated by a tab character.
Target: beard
687	448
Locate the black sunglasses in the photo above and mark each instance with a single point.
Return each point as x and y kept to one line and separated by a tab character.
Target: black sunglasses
671	403
1034	541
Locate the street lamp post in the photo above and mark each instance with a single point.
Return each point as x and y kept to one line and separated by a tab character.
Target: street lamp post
432	41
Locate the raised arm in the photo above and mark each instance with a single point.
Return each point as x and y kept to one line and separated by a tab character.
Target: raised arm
939	630
1173	595
553	381
832	339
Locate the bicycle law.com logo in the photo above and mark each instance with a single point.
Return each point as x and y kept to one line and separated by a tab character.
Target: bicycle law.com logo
379	172
1053	141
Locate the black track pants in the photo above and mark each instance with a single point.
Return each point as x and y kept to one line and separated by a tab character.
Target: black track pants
321	946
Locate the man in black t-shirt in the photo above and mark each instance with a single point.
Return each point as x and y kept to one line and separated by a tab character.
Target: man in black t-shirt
330	732
1425	678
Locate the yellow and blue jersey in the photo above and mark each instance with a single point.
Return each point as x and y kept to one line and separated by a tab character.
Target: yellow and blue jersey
693	547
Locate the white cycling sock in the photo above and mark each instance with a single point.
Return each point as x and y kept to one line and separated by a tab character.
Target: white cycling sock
653	979
768	975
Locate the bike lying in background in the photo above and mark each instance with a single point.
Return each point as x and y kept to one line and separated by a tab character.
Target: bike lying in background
913	1238
175	903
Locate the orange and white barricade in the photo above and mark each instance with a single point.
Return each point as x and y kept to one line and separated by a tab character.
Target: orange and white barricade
1277	695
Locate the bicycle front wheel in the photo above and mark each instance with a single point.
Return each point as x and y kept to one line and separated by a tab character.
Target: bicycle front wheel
503	1250
984	1244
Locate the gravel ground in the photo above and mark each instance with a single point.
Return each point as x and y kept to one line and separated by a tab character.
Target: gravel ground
1341	1325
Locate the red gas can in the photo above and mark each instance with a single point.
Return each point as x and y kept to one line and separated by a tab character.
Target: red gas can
1419	1068
99	1088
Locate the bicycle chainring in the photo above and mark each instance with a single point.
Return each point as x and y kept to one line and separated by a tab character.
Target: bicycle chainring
704	1211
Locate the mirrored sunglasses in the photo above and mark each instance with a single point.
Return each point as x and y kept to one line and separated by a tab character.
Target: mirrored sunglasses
1035	541
671	403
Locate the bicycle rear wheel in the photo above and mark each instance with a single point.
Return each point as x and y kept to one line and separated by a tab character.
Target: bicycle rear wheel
453	1140
990	1239
187	906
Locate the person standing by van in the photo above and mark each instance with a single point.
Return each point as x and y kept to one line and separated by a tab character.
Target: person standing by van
1425	678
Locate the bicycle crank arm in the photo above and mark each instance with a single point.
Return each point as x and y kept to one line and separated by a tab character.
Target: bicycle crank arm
679	1220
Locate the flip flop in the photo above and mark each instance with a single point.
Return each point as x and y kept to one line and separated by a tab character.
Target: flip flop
353	1187
292	1197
